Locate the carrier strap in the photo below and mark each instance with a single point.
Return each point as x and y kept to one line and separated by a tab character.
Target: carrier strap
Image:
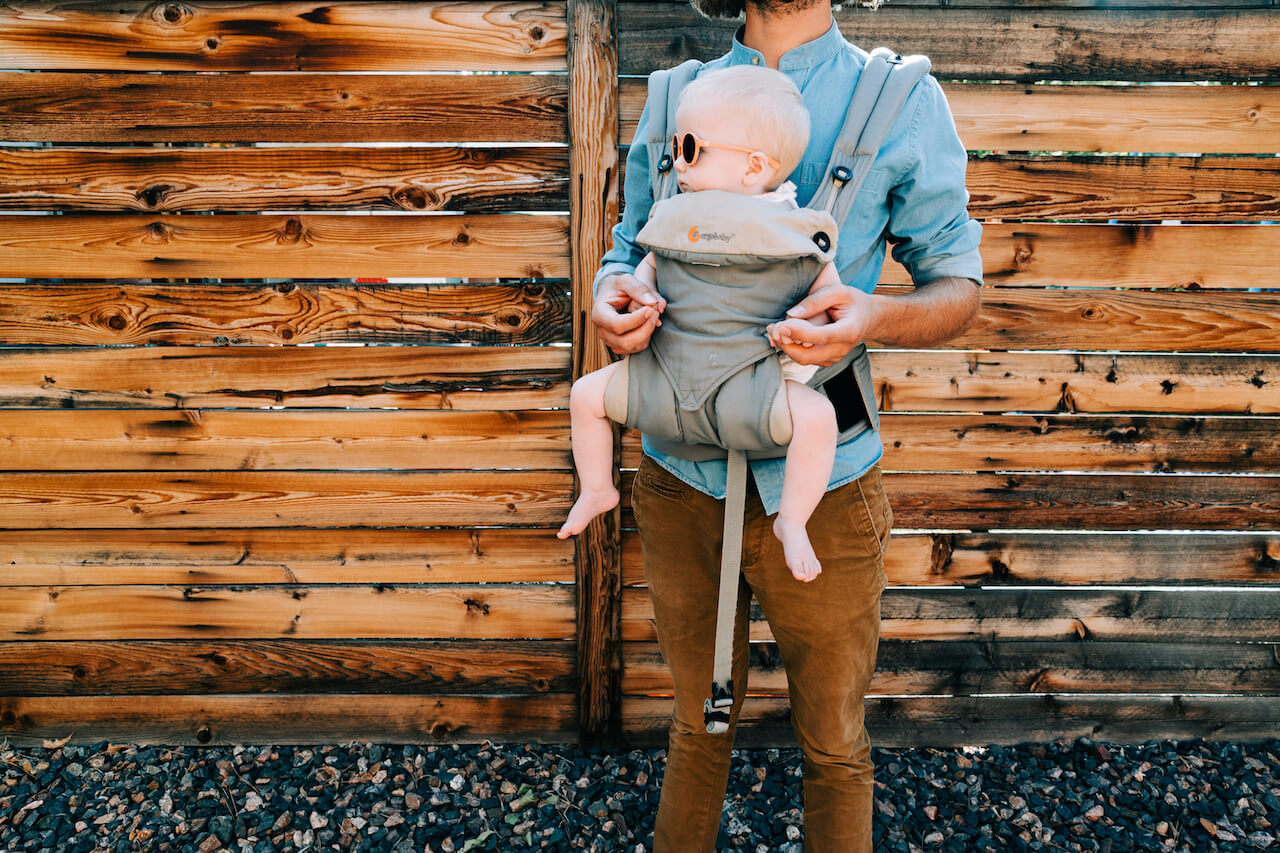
665	87
716	709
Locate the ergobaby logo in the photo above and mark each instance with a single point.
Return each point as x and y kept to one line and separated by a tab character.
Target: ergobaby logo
695	235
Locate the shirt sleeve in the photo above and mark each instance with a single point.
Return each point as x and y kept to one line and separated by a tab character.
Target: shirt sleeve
929	224
638	191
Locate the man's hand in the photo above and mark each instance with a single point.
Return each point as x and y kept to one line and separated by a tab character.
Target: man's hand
825	325
926	316
625	313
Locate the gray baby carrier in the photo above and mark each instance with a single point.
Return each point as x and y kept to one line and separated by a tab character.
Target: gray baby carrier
881	92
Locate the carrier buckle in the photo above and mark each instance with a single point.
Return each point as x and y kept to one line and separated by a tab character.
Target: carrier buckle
715	711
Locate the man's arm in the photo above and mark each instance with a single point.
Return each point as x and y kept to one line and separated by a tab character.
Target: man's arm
929	315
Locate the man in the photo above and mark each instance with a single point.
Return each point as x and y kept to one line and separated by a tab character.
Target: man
826	630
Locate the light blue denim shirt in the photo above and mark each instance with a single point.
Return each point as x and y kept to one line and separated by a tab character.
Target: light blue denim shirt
914	192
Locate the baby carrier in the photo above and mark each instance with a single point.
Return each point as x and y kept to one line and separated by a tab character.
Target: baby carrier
881	92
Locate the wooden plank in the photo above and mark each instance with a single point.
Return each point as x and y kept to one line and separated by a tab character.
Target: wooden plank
1017	42
593	156
463	378
966	721
78	668
291	612
1039	117
1192	189
1080	443
1067	501
1148	256
956	442
239	313
966	668
1221	321
1073	558
232	35
282	556
1075	383
300	719
282	499
131	108
485	180
1046	614
123	440
282	246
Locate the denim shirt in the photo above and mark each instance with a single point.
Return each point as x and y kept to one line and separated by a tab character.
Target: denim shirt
914	192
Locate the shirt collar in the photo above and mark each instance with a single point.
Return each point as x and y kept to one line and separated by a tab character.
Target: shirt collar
816	52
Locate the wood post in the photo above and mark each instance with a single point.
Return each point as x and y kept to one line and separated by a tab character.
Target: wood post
593	207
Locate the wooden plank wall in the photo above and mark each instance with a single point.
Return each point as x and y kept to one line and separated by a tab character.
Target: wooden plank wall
250	489
1086	484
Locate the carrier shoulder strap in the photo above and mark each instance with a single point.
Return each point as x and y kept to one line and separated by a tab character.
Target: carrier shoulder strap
879	96
665	87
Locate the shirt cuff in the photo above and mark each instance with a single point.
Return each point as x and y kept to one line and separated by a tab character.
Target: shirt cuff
967	265
607	270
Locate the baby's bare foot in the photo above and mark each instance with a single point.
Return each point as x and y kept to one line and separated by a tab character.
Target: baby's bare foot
586	507
797	550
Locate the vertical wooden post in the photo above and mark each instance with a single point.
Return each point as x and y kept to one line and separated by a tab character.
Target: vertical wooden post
593	210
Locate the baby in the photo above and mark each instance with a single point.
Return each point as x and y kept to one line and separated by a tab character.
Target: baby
741	131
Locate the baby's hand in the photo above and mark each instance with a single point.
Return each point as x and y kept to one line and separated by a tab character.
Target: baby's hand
784	331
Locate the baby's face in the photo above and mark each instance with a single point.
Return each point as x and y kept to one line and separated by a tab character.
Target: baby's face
714	168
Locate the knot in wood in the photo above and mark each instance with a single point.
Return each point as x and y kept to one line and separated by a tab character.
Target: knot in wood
117	323
1021	256
292	232
537	32
173	13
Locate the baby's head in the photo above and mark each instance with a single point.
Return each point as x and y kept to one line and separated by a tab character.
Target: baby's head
758	113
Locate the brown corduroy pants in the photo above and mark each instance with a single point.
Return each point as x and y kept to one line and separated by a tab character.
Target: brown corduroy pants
826	631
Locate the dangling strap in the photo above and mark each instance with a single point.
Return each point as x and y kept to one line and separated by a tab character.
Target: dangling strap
665	87
715	710
886	81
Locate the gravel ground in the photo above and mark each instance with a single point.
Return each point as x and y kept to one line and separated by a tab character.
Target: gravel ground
1080	795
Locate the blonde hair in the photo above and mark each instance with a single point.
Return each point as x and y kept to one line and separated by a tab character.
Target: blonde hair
763	103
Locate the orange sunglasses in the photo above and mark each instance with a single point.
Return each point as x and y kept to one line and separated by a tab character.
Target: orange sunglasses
689	146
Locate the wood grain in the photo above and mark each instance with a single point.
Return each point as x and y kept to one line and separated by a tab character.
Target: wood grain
240	313
1048	614
593	160
1065	383
462	378
232	35
1044	117
288	612
1006	43
299	719
917	722
284	556
480	180
123	440
1073	558
1136	321
960	442
1069	501
79	668
282	499
282	246
959	668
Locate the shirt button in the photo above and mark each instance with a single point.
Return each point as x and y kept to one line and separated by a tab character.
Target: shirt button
755	60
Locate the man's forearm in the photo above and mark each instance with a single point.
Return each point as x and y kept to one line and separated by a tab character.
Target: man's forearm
926	316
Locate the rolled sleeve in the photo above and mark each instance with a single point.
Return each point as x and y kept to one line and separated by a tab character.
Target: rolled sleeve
929	224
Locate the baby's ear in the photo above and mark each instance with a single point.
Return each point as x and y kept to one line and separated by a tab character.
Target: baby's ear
758	170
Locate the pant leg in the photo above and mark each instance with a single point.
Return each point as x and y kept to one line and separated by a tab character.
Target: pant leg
827	632
680	533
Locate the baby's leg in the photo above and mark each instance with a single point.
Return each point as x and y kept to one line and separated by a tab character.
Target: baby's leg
810	456
592	450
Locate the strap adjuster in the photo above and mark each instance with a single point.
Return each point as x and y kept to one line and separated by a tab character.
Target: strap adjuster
665	164
842	173
715	711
